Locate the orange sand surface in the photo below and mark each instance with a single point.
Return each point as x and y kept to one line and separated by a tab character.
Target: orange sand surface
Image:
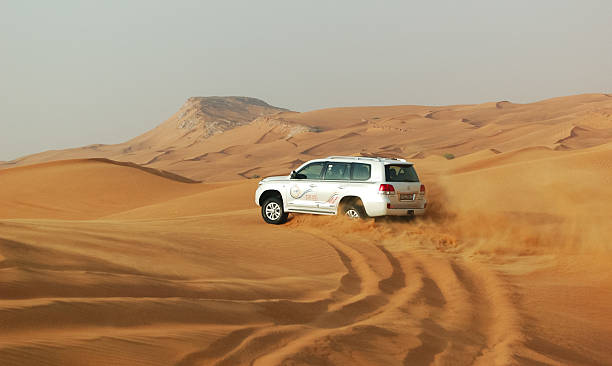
104	263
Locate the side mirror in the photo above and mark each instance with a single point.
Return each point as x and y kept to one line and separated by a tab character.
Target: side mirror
295	175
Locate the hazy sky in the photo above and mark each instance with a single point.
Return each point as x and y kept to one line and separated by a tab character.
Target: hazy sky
79	72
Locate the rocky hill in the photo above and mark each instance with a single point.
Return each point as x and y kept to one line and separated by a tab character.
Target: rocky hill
213	115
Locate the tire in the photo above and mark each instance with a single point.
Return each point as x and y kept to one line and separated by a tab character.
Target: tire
353	210
272	211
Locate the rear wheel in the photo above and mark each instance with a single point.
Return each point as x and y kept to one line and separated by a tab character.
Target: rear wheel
272	211
353	210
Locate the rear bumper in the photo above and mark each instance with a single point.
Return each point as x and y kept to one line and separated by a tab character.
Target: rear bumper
380	209
405	212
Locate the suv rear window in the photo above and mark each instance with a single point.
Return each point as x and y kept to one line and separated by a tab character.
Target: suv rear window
400	173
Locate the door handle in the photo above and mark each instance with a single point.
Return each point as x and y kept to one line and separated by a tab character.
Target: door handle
341	187
313	185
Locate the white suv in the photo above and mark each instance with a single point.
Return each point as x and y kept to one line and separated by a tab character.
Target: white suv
354	186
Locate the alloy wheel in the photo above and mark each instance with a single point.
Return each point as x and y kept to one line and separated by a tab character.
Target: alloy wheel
273	211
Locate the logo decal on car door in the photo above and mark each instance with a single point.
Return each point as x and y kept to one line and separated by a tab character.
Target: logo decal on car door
297	193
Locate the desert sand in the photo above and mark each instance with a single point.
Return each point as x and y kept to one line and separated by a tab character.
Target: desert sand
166	260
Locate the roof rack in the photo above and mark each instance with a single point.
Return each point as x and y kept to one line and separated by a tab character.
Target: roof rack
351	157
365	158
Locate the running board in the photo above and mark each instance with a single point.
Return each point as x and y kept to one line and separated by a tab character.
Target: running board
312	212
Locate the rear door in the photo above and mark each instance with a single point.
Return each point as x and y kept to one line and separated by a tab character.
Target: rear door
335	180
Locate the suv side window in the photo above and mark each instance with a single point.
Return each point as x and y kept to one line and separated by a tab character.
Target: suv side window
360	171
313	170
337	171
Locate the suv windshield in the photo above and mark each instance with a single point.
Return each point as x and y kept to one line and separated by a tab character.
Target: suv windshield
400	173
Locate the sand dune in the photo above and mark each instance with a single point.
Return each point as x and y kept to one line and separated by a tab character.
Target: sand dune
108	263
84	189
262	136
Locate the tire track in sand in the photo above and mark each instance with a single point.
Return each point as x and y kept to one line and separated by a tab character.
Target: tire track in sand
463	311
353	312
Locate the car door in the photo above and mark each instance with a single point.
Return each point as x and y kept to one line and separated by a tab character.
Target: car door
335	180
303	192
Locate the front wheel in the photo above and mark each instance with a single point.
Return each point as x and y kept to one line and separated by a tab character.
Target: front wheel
272	211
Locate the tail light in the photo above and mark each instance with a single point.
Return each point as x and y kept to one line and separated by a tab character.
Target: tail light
422	188
386	189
